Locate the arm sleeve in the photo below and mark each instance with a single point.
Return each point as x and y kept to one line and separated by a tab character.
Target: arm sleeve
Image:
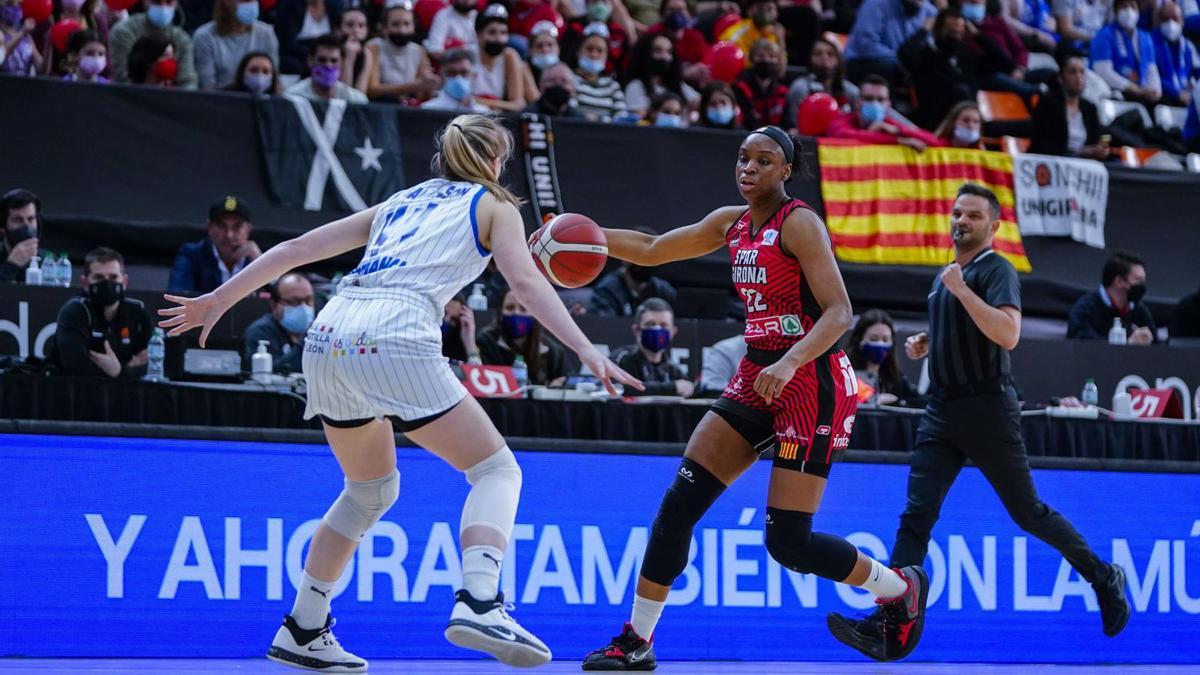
436	42
604	303
141	341
206	65
926	137
182	275
799	91
1003	287
1044	139
1145	318
119	42
635	96
10	273
716	371
628	361
187	60
1153	81
71	338
867	32
1079	327
272	49
1100	55
843	128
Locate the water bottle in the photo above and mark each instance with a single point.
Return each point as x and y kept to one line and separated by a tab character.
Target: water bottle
477	301
64	271
1091	395
49	269
1122	404
520	371
156	353
33	273
261	364
1116	334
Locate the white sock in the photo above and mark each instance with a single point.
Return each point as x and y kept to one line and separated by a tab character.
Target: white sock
884	582
646	613
312	602
481	571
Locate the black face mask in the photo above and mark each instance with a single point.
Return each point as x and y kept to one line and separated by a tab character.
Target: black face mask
765	69
106	292
659	66
1136	292
640	274
556	96
494	48
400	39
19	235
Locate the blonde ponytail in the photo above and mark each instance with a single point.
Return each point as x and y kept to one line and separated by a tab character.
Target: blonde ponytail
466	149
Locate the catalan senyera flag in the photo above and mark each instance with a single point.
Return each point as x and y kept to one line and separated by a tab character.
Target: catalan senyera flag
890	205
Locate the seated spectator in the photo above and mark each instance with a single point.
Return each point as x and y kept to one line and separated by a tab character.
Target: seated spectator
497	80
873	121
1065	123
690	46
599	94
515	332
1122	287
296	24
618	35
202	266
1177	58
325	71
87	57
455	24
871	351
668	111
357	65
760	91
1185	320
1032	21
643	13
400	67
558	93
761	23
163	20
256	75
1123	55
880	27
80	11
222	43
458	332
544	50
18	54
152	62
718	107
719	364
102	333
1078	21
825	74
653	70
999	58
22	212
293	306
650	359
455	94
622	290
942	74
962	127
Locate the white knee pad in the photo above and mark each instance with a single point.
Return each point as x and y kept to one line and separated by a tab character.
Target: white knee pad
495	490
361	504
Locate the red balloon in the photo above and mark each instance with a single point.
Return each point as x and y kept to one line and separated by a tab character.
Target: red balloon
425	10
38	10
61	32
815	114
724	22
726	61
120	5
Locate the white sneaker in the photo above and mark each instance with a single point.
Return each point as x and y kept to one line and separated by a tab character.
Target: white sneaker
315	649
485	626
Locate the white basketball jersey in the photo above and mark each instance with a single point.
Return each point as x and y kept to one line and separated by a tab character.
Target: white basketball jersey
424	240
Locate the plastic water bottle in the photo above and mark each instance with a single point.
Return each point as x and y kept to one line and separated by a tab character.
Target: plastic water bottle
520	371
1091	395
49	269
1116	334
261	364
33	273
1122	404
477	301
65	272
156	353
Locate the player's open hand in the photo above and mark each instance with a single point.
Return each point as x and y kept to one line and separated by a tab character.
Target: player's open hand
607	371
202	312
771	382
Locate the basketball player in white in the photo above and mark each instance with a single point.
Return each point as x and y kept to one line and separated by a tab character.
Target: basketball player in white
374	352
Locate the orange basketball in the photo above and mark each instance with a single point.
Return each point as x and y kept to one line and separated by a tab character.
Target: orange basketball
570	250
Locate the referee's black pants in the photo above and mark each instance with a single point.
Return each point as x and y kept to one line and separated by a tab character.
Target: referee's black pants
985	428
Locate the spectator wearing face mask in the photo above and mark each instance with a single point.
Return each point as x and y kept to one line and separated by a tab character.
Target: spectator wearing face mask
325	72
81	12
358	62
544	51
454	23
872	353
668	111
202	266
401	69
691	48
458	332
1123	55
558	93
87	58
718	107
880	27
873	122
760	91
102	333
222	43
292	308
825	74
163	20
653	71
621	291
761	23
962	127
152	62
515	332
456	94
497	79
22	213
650	359
1177	58
19	55
599	95
998	57
1119	297
256	75
617	35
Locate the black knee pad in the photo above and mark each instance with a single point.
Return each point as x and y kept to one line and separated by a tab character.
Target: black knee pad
693	491
792	543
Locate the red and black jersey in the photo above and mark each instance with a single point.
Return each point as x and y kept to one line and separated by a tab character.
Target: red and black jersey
780	305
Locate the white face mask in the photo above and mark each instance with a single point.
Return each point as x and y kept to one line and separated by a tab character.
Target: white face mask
966	136
1171	30
1127	17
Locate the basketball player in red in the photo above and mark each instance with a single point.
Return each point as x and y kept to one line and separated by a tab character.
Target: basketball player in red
795	391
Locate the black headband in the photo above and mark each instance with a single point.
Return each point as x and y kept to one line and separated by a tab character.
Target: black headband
779	136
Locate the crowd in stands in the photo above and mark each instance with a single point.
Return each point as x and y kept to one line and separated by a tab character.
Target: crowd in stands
1089	75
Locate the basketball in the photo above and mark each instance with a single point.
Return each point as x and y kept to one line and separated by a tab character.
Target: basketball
570	250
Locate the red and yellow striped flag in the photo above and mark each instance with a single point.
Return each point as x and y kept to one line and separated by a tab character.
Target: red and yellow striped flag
890	205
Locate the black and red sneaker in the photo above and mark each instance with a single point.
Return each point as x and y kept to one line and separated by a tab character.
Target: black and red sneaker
904	616
864	634
627	651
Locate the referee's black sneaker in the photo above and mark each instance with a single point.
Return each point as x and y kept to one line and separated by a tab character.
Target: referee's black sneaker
1114	605
627	651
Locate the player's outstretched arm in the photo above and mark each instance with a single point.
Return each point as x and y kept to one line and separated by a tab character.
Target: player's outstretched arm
684	243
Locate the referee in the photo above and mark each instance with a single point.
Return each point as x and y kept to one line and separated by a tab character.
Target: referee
974	321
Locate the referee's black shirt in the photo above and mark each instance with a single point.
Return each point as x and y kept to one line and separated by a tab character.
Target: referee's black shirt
959	353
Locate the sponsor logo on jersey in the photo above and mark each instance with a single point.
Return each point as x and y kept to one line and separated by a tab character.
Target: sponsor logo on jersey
824	430
788	324
848	424
378	265
840	442
788	450
769	237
